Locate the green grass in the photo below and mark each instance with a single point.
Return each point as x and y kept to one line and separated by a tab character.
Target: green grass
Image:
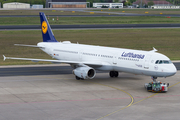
166	41
89	20
60	12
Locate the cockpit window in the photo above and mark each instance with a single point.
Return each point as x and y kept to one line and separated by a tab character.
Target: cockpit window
163	62
157	61
167	62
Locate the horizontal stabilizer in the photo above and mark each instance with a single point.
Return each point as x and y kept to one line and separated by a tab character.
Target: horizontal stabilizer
4	57
28	45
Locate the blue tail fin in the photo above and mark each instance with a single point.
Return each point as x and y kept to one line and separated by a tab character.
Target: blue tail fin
47	33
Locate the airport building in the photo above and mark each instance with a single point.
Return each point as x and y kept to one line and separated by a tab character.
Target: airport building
16	5
66	4
157	4
37	6
165	7
109	5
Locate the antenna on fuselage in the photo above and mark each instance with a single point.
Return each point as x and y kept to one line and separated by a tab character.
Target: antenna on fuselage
154	50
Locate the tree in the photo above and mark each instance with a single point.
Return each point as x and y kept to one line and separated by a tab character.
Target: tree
151	3
124	3
90	2
116	1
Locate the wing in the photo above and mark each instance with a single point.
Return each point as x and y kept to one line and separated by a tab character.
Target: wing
96	63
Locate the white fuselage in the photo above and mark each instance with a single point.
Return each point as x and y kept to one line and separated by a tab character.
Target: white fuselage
112	59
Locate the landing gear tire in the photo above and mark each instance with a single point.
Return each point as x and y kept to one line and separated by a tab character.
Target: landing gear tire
78	78
116	74
113	74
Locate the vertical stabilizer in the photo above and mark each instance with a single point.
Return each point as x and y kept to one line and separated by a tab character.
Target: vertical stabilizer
47	33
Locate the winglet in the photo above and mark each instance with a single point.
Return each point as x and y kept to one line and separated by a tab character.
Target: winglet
4	57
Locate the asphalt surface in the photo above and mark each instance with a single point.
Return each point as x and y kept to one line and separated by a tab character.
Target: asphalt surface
62	97
48	70
44	70
103	26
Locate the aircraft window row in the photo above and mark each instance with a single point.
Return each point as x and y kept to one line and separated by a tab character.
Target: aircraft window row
122	58
163	62
66	51
107	56
90	54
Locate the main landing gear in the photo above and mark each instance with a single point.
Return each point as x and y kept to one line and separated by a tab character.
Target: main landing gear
113	74
78	78
156	86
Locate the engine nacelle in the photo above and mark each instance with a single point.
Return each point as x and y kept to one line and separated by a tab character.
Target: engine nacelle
84	72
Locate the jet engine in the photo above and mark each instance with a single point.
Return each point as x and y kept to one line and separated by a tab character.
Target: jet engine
84	73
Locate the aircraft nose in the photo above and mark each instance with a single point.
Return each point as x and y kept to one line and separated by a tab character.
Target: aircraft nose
172	70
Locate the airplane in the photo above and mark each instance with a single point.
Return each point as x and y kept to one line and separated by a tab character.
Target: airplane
87	59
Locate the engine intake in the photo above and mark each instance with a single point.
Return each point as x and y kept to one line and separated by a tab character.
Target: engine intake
84	72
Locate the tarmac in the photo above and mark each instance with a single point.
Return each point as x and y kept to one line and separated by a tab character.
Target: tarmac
98	26
59	96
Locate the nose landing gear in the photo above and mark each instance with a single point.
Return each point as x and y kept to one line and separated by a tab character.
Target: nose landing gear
156	86
154	78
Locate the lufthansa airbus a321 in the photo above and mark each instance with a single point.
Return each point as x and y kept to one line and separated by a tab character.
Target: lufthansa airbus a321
86	59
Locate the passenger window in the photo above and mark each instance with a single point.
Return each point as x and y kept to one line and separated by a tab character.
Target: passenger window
160	62
157	61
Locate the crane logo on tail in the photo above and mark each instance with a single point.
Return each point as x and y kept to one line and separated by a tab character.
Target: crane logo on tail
44	27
